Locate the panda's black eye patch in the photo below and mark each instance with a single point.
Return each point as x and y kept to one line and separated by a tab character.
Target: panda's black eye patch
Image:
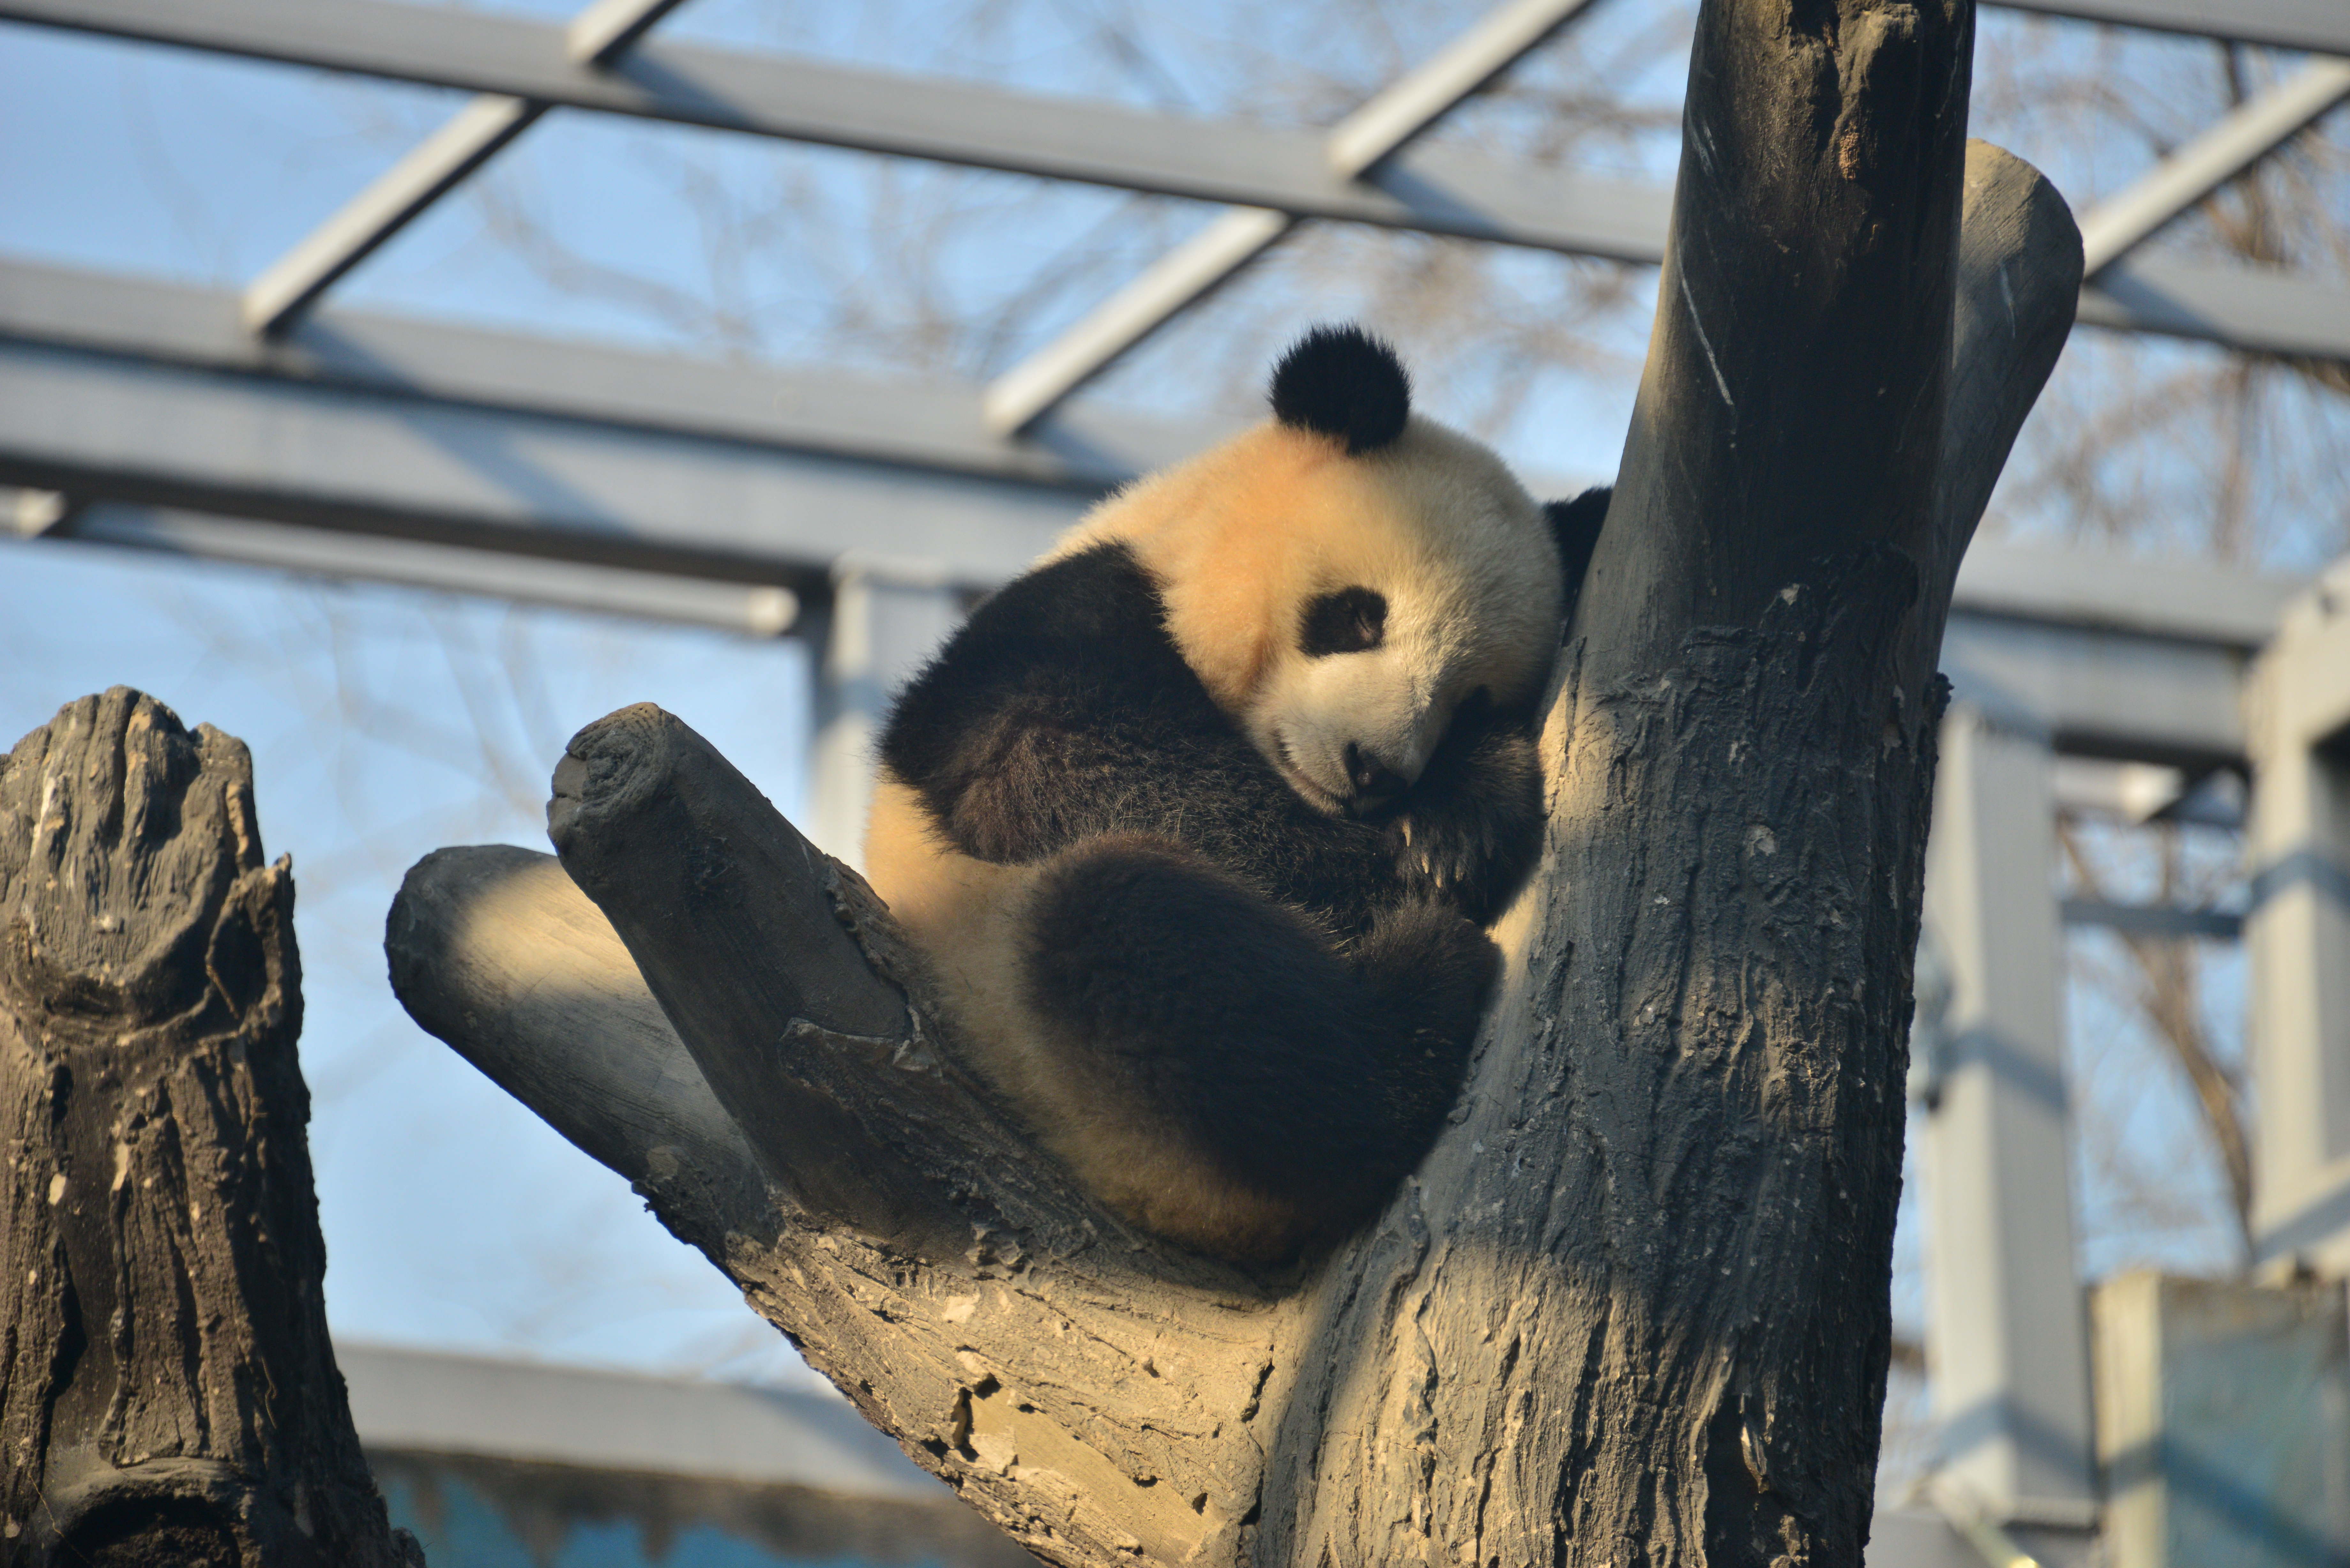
1348	621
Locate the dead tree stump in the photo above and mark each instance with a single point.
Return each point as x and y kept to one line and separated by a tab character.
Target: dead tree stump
167	1391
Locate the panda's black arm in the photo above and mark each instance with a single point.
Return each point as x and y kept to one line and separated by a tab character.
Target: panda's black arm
1017	732
1048	766
1063	711
1471	828
1575	526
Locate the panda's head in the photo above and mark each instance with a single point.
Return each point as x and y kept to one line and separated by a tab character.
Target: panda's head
1344	576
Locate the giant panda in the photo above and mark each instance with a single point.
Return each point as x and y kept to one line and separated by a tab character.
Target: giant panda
1198	825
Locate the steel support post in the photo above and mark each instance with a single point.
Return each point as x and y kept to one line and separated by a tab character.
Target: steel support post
888	617
2005	1334
2298	927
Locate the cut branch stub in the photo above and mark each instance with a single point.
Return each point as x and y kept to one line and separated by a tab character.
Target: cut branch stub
169	1393
2019	285
646	819
495	950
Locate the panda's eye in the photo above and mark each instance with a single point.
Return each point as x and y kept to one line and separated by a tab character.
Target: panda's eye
1348	621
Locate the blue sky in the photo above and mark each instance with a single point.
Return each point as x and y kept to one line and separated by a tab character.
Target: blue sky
452	1216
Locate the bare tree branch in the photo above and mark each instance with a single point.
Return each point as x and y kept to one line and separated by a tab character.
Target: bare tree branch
2169	996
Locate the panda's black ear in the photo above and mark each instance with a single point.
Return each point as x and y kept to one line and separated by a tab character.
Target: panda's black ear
1342	381
1575	525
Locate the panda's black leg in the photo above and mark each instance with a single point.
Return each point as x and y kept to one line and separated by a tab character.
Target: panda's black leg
1235	1023
1430	973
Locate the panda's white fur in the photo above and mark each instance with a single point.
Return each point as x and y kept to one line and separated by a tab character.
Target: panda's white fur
1245	535
1237	542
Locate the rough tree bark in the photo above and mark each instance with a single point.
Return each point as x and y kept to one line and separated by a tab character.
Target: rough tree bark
167	1390
1633	1309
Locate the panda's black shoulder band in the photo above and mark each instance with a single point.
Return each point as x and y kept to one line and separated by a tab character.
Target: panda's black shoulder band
1342	381
1575	525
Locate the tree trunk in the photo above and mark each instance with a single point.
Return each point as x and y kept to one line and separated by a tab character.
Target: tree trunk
1633	1308
167	1391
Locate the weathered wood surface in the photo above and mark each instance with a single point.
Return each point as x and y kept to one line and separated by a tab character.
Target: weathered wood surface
167	1390
1090	1390
1633	1307
1644	1316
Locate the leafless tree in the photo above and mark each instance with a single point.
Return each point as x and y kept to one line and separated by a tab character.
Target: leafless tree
1634	1303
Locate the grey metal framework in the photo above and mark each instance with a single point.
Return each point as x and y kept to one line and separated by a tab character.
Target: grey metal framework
269	426
115	391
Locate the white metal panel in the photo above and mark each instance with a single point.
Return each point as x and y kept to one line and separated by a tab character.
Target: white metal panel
2223	1423
429	1402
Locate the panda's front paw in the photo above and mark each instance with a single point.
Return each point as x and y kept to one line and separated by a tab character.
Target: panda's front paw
1468	833
1441	856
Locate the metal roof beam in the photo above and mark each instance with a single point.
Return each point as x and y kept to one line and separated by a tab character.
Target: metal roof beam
2094	690
610	454
1437	190
553	451
1196	268
2168	922
598	36
2322	27
380	462
2249	133
402	193
752	609
419	371
1182	278
446	48
418	377
2257	310
926	424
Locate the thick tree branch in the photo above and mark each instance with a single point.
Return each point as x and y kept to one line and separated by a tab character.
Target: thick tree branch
819	1060
1093	1393
168	1393
1792	408
2019	280
495	950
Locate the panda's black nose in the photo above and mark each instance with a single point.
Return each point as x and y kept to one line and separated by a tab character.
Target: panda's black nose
1377	785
